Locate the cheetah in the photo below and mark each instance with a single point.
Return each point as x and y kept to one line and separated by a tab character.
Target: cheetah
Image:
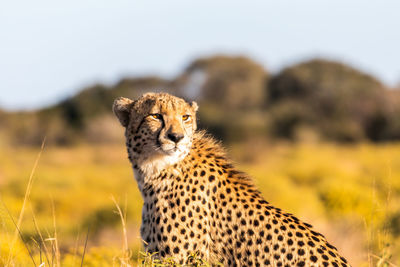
196	201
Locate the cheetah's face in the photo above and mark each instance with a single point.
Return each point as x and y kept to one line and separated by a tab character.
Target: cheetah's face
164	129
159	128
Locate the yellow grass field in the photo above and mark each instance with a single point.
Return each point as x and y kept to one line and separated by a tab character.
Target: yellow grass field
351	193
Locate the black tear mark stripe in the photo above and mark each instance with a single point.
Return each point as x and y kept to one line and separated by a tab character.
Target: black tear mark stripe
142	121
140	125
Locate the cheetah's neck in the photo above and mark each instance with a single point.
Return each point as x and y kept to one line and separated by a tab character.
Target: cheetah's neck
149	169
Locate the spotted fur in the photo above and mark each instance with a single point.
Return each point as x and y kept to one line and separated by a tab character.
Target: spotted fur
196	201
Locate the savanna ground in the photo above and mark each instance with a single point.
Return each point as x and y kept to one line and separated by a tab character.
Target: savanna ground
351	193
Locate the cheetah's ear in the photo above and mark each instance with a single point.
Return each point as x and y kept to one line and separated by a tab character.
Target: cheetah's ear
122	108
194	106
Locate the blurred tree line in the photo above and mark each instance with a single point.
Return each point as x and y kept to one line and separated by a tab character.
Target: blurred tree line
239	100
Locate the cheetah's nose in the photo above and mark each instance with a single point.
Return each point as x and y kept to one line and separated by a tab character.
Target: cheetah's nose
175	137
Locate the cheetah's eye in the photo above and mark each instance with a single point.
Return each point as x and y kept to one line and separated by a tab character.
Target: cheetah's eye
156	116
186	117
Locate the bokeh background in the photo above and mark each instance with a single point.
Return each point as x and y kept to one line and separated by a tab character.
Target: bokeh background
304	95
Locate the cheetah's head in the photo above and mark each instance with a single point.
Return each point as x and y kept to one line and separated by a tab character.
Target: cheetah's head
159	129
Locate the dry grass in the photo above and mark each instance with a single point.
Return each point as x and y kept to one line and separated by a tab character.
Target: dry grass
346	188
17	231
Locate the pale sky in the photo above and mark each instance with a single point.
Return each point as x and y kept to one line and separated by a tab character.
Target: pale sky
51	49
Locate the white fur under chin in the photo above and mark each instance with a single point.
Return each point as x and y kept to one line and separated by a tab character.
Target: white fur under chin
152	166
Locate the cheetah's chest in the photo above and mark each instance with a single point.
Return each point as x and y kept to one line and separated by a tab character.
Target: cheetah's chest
175	218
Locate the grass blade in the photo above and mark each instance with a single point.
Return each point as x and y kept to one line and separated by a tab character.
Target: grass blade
20	234
26	198
84	249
